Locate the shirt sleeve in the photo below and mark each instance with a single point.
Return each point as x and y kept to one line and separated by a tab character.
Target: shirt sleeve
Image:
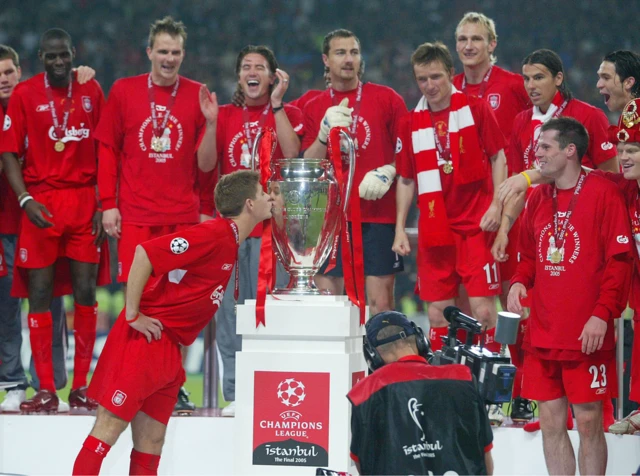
489	131
398	111
108	163
616	279
180	250
485	434
110	130
15	126
600	149
356	431
404	149
295	118
207	183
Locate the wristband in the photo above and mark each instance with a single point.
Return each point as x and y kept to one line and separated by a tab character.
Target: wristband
526	175
99	209
22	195
134	319
24	201
279	108
322	142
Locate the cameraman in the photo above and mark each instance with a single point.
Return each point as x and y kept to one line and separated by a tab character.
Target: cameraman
413	418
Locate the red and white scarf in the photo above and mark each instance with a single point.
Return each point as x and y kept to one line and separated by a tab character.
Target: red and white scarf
538	118
467	158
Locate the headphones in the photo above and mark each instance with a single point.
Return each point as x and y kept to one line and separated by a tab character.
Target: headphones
374	359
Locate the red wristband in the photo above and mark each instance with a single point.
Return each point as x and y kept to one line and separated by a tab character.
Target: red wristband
134	319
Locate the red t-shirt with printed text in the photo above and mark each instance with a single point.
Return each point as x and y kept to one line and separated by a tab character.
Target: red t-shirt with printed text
506	95
153	188
380	111
466	203
192	267
593	119
587	282
29	116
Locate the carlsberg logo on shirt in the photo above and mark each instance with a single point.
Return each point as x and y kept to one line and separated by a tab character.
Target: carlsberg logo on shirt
72	134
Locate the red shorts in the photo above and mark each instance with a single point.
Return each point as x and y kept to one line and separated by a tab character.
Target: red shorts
132	235
70	236
133	375
442	269
3	265
581	381
634	386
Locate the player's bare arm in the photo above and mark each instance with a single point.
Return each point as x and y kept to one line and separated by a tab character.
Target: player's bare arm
405	192
287	137
141	269
491	219
510	212
207	154
610	165
36	211
84	74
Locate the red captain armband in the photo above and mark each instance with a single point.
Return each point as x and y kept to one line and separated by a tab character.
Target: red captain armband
134	319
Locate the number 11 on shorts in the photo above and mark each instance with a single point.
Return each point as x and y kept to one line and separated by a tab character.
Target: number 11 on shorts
488	269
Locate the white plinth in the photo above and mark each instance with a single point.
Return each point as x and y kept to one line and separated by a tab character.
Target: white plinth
313	340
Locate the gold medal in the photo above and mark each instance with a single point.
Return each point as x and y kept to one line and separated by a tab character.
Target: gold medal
59	146
447	168
556	257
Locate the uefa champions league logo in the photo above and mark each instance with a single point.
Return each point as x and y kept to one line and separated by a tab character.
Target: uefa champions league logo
291	392
179	245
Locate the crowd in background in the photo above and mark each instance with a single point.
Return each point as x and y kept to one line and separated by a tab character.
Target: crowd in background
110	36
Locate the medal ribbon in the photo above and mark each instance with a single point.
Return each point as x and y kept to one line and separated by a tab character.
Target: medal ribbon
483	86
245	119
158	131
60	130
445	152
236	289
534	141
560	236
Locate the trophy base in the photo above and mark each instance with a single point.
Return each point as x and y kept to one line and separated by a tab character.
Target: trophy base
301	286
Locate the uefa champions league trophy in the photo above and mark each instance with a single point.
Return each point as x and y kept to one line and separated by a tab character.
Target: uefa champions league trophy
306	213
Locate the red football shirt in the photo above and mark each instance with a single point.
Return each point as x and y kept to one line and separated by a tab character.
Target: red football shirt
505	94
588	281
465	204
192	267
302	101
154	188
9	208
234	152
593	119
30	117
380	111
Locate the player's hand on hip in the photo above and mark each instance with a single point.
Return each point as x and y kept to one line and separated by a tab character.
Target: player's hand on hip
208	104
336	116
96	228
377	182
112	222
491	219
592	336
150	327
277	94
516	293
512	186
401	243
85	74
498	250
36	213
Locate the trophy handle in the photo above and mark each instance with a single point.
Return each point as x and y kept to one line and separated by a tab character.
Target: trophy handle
254	149
352	167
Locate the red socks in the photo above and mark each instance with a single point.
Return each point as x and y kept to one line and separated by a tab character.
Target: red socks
84	331
90	458
41	338
434	337
490	341
143	463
